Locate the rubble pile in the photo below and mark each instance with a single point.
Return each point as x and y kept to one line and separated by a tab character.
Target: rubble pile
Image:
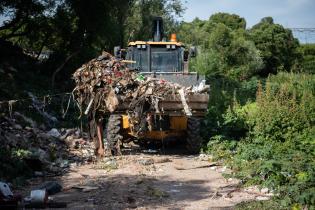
44	151
105	83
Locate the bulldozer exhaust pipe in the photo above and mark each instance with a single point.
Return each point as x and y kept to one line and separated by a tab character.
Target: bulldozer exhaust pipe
158	31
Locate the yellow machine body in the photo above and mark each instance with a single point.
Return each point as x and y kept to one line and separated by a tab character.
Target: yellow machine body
178	126
178	44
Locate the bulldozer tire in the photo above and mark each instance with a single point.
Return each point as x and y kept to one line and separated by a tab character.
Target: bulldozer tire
193	139
113	134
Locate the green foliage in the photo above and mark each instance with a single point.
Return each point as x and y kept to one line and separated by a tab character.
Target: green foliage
225	49
139	23
278	47
193	33
262	205
228	49
232	21
12	164
231	55
277	148
308	63
227	94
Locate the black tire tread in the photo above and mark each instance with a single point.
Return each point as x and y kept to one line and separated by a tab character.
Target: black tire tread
113	135
193	139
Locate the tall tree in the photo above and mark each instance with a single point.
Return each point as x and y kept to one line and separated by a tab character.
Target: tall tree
232	21
278	47
229	54
193	33
139	23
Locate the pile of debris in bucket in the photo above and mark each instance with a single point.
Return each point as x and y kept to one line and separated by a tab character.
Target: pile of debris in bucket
105	83
46	152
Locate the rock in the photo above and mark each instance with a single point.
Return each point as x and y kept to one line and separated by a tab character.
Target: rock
86	188
106	159
54	132
54	169
42	127
222	170
51	187
67	133
264	190
38	173
77	133
213	167
91	200
43	136
262	198
62	163
162	160
150	151
146	162
205	157
17	126
73	165
112	164
40	154
251	189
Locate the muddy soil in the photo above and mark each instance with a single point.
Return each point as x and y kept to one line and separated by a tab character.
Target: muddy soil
164	179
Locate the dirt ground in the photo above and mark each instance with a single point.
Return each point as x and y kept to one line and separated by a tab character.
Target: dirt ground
149	180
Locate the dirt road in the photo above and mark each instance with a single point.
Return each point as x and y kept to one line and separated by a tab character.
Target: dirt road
150	181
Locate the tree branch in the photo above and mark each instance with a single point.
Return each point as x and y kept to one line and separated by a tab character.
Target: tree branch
61	67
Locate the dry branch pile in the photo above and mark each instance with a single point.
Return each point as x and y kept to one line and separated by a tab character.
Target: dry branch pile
104	83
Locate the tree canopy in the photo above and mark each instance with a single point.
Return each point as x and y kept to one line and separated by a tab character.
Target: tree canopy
278	47
228	48
69	32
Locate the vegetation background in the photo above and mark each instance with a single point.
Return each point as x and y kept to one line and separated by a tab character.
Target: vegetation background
261	114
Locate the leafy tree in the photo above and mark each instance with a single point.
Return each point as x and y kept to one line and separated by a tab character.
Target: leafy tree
232	21
308	63
278	47
229	54
139	23
193	33
69	31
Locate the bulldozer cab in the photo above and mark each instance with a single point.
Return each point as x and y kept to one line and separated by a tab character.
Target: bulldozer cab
156	57
160	58
173	116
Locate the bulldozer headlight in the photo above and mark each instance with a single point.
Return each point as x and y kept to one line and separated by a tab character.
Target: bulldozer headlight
168	46
144	46
139	46
173	46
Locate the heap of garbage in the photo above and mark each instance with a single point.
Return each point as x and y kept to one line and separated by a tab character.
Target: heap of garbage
45	151
105	83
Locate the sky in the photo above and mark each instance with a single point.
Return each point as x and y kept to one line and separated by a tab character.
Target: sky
289	13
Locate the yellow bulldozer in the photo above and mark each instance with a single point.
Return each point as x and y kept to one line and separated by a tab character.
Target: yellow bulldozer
165	60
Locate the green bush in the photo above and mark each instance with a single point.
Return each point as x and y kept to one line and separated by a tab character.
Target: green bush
13	168
308	62
278	150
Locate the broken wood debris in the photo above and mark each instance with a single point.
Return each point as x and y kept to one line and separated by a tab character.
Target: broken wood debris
105	82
